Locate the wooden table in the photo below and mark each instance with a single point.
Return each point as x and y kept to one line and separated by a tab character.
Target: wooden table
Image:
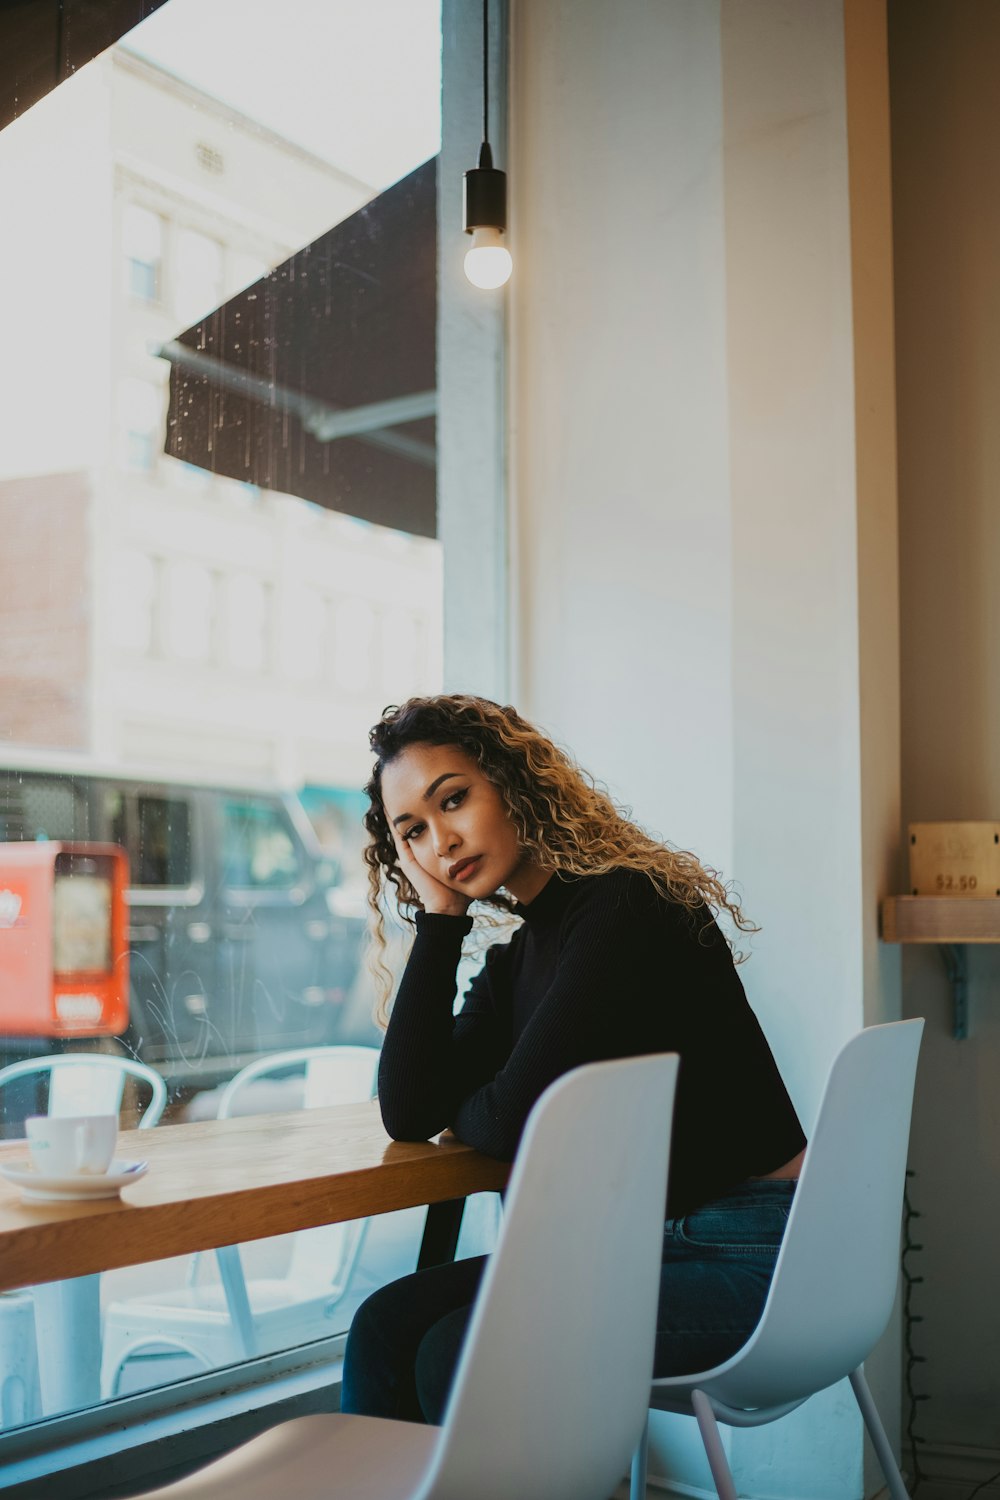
213	1184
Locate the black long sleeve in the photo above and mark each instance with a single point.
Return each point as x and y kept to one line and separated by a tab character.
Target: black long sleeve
602	967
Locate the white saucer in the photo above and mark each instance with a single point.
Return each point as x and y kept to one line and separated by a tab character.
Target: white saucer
38	1189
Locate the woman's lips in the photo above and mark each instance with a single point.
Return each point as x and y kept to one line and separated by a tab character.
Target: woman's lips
464	868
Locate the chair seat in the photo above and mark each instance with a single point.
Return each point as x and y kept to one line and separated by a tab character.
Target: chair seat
312	1458
677	1399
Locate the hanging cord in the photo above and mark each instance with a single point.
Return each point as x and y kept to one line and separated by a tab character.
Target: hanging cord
910	1247
486	69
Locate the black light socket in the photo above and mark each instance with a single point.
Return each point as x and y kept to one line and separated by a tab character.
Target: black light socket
485	194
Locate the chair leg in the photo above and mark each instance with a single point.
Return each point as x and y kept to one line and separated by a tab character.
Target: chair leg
237	1301
725	1485
876	1432
637	1486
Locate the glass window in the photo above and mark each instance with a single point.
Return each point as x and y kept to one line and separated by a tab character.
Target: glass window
353	642
158	840
238	571
189	611
304	636
141	405
197	275
134	599
245	622
244	271
142	243
81	914
41	807
258	851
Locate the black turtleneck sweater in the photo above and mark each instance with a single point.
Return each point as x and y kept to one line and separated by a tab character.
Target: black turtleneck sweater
602	967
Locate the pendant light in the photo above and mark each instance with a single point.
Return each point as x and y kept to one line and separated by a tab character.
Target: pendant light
487	262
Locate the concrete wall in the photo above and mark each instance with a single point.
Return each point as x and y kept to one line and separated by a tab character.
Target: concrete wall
705	579
945	127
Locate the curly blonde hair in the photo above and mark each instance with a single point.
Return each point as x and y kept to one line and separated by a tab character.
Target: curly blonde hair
565	821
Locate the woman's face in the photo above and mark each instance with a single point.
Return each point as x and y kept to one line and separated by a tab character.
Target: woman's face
454	822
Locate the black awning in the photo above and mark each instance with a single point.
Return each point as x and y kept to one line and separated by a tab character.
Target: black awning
319	380
44	42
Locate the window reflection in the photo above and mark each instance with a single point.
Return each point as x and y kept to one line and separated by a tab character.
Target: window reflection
162	853
353	631
245	622
189	611
142	243
232	636
134	595
258	848
197	275
141	405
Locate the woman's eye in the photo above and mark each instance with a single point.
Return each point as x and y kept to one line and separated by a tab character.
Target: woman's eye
413	831
455	799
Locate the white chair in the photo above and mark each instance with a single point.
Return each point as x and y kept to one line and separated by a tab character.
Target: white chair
551	1388
85	1083
217	1323
836	1273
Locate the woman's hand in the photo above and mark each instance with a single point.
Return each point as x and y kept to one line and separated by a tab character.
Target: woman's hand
434	894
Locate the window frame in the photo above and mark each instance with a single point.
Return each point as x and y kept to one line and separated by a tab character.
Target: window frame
473	511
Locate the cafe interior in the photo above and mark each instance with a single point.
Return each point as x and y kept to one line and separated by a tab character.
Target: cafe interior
712	487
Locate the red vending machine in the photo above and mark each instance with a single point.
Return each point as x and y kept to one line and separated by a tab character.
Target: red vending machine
63	940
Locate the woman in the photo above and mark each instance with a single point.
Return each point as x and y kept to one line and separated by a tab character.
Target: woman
618	954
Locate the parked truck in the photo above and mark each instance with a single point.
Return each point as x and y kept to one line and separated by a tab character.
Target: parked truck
240	936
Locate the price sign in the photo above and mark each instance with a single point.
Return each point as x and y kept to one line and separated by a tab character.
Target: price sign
955	859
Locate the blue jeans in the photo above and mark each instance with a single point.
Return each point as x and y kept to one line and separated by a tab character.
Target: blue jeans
405	1339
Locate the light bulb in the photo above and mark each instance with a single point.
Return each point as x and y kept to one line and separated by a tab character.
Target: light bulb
488	262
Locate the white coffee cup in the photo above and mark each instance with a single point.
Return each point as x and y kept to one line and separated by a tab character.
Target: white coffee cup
71	1145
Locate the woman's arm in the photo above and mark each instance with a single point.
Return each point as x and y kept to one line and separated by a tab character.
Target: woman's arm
430	1058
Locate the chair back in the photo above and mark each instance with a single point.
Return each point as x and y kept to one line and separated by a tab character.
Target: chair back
551	1390
333	1075
90	1083
836	1273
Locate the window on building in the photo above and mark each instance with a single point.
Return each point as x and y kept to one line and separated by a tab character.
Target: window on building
197	275
188	611
142	244
246	608
244	270
353	643
134	588
305	628
141	404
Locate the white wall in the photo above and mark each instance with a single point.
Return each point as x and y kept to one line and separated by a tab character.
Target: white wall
619	404
694	592
54	260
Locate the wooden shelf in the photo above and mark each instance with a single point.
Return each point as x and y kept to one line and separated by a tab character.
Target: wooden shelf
941	919
951	922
